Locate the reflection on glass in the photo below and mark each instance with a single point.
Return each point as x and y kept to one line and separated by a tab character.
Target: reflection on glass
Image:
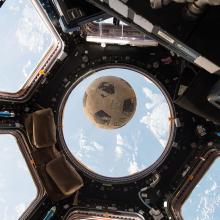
126	150
204	201
17	189
109	21
24	39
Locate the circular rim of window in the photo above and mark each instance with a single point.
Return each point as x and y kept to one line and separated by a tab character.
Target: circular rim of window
84	166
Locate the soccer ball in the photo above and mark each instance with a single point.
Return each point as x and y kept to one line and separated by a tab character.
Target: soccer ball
109	102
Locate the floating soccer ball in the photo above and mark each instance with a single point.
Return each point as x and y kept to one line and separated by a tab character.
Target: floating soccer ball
109	102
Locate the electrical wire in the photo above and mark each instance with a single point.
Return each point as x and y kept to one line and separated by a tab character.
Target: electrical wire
140	197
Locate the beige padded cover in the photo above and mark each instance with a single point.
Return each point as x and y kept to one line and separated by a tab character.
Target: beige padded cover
64	175
41	128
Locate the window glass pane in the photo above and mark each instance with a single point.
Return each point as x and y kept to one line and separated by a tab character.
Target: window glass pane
24	39
109	21
126	150
204	201
17	189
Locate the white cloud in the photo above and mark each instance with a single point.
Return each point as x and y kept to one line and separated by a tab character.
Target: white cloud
212	188
86	146
97	146
14	8
153	98
15	5
2	200
2	182
26	69
31	31
83	142
208	202
119	152
22	165
157	121
133	168
5	214
157	116
20	208
119	140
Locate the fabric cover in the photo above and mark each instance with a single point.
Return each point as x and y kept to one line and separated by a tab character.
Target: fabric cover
41	128
58	176
64	175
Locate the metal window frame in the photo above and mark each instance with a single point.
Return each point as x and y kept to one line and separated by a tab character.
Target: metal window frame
135	176
23	144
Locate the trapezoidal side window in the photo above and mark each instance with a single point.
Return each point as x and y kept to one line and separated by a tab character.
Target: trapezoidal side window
204	200
29	45
18	190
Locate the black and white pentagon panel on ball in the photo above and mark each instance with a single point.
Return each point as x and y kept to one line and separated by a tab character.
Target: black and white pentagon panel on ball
109	102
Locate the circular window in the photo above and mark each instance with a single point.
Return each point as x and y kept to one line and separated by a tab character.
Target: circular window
126	151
